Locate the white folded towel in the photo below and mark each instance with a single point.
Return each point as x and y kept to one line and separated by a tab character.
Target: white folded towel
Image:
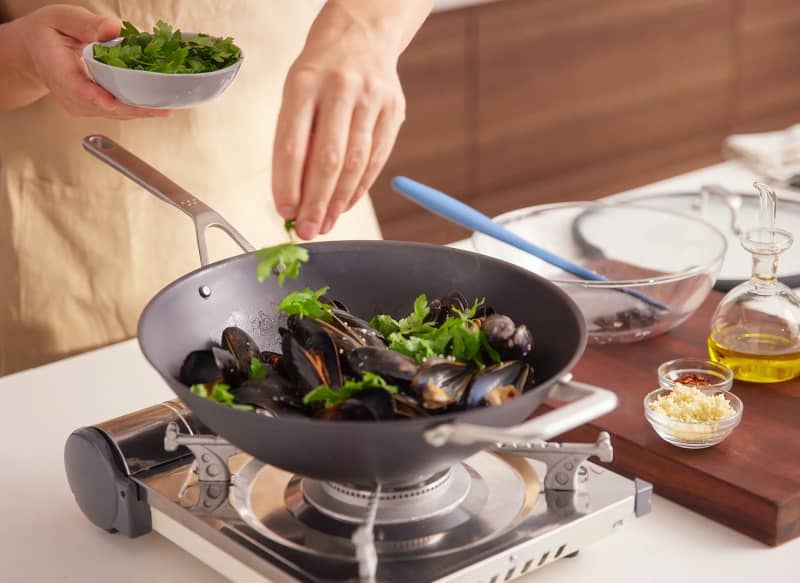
775	156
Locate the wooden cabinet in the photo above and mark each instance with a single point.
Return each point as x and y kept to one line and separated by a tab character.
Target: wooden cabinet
432	144
521	102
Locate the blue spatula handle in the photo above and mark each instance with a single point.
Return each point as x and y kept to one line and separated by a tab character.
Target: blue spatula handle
456	211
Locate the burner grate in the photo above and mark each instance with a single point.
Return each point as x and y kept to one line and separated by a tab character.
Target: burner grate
437	495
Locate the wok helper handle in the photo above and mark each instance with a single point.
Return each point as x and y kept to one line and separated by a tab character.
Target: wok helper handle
584	403
151	179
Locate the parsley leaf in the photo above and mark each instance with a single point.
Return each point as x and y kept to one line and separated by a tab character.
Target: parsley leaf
167	51
257	369
286	258
220	392
332	398
306	303
458	336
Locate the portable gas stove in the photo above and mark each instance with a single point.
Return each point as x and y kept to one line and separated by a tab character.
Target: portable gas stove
494	517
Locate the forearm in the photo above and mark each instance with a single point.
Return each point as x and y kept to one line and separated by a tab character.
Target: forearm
21	85
392	21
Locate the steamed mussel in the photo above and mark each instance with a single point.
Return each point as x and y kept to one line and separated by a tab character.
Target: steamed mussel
447	355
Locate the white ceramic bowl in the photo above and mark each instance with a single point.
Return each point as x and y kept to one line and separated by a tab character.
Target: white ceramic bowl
159	90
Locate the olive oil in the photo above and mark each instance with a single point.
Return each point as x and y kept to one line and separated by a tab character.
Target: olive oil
756	357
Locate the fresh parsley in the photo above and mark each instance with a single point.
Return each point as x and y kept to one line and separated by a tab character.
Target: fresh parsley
332	398
459	336
257	369
306	303
220	393
168	51
286	258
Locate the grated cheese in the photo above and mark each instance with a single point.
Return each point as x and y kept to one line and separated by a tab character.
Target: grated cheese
688	403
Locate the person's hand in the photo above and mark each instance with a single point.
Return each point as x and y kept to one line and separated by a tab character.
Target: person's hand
54	37
342	109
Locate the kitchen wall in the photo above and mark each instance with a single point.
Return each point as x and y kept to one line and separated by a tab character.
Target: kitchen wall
520	102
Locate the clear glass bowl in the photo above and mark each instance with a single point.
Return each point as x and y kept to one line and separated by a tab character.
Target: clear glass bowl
695	434
669	257
718	375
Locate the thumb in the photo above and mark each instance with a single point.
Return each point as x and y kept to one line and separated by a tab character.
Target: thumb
83	25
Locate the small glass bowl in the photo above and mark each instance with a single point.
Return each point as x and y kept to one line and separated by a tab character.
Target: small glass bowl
693	434
718	375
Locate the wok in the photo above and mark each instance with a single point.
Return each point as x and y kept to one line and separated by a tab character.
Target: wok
369	277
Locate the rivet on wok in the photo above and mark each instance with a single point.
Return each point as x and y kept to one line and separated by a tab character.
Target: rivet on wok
205	291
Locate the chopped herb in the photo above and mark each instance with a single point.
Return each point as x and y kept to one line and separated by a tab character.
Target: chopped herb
220	392
458	336
257	369
286	258
305	303
165	51
332	398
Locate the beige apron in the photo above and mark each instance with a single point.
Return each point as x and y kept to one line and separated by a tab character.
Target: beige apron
82	249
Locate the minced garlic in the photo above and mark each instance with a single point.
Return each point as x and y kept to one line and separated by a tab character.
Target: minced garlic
688	403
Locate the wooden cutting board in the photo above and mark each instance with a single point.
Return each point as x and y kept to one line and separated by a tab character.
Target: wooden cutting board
749	482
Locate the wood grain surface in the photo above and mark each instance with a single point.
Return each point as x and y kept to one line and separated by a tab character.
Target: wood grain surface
749	482
523	102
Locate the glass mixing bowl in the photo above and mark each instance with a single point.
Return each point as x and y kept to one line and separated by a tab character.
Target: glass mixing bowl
667	256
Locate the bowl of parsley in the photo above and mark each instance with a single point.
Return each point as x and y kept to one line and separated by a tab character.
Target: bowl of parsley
165	69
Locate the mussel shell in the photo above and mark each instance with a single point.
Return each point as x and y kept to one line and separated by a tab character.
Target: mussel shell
317	350
334	302
241	345
358	329
441	382
408	406
368	405
391	365
512	342
199	367
304	368
273	394
498	328
496	384
440	308
208	366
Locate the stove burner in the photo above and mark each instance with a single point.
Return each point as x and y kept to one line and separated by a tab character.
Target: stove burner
437	495
464	507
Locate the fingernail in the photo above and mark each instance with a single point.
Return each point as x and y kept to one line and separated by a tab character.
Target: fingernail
307	229
287	211
327	225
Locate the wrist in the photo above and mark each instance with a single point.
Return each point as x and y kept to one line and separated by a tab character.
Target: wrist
360	21
21	35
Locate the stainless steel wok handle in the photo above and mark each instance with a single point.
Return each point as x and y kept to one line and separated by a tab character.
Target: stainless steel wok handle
151	179
585	403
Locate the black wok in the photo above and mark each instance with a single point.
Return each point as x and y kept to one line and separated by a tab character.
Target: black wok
369	277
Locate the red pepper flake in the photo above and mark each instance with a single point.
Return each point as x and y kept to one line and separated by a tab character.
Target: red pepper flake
693	380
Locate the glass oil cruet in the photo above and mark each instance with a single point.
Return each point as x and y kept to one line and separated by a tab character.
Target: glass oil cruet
755	330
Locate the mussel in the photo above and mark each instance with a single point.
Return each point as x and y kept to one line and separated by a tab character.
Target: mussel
367	405
391	365
240	345
497	384
208	366
310	355
358	329
441	382
512	342
273	394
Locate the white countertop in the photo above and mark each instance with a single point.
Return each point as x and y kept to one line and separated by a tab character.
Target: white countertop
44	537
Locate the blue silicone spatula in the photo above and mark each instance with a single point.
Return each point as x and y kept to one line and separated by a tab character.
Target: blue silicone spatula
462	214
